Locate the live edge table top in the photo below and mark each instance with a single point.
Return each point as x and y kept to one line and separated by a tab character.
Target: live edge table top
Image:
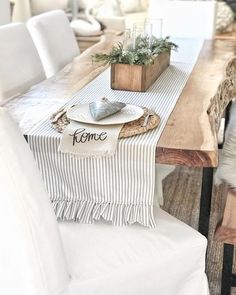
189	137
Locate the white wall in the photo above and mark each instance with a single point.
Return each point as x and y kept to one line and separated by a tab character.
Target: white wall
185	19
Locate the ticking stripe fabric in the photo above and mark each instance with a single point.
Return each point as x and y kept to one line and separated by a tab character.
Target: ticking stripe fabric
121	188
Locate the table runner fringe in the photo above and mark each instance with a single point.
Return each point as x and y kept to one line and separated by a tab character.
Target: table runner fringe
118	214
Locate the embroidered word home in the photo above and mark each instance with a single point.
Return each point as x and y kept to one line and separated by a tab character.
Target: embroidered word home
81	136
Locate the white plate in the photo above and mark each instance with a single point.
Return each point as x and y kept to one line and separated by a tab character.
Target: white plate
82	114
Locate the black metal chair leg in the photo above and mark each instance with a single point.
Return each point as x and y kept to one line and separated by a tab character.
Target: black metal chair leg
205	201
227	279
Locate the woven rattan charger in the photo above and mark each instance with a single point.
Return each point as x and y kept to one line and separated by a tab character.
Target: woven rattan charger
59	122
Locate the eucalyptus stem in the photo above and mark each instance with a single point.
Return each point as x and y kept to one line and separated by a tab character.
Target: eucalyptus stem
143	54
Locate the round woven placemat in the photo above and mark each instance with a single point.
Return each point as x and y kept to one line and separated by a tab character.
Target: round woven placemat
59	122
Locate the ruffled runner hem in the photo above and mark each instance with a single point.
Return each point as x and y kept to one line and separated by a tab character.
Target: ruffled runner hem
90	211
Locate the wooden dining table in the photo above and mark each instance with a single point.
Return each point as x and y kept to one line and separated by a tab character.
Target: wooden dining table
190	135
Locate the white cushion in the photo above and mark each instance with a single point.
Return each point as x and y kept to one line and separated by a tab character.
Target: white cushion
31	256
86	28
5	14
20	65
106	260
54	39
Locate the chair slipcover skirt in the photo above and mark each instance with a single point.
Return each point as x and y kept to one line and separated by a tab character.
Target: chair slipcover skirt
106	260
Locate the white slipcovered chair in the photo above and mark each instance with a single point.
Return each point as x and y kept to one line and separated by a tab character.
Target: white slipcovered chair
20	65
86	27
5	12
90	259
80	26
54	40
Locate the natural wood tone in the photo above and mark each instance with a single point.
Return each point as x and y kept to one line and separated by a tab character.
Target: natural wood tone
190	136
138	77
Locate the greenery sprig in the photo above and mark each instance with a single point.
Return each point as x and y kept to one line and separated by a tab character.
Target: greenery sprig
143	54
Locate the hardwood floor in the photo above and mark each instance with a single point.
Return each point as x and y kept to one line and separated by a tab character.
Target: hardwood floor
182	197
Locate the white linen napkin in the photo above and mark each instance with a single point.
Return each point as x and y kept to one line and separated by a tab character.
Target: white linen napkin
88	140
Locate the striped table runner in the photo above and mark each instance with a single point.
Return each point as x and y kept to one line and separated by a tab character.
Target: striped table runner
120	188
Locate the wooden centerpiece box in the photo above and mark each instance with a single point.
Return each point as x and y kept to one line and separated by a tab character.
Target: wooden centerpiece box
136	68
138	77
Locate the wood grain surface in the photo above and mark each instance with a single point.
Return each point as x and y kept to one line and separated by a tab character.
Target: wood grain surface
190	136
138	77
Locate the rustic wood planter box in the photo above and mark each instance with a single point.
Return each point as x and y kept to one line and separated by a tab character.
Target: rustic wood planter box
138	77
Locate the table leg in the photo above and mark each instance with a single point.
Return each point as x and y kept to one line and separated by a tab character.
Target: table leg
227	280
205	201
